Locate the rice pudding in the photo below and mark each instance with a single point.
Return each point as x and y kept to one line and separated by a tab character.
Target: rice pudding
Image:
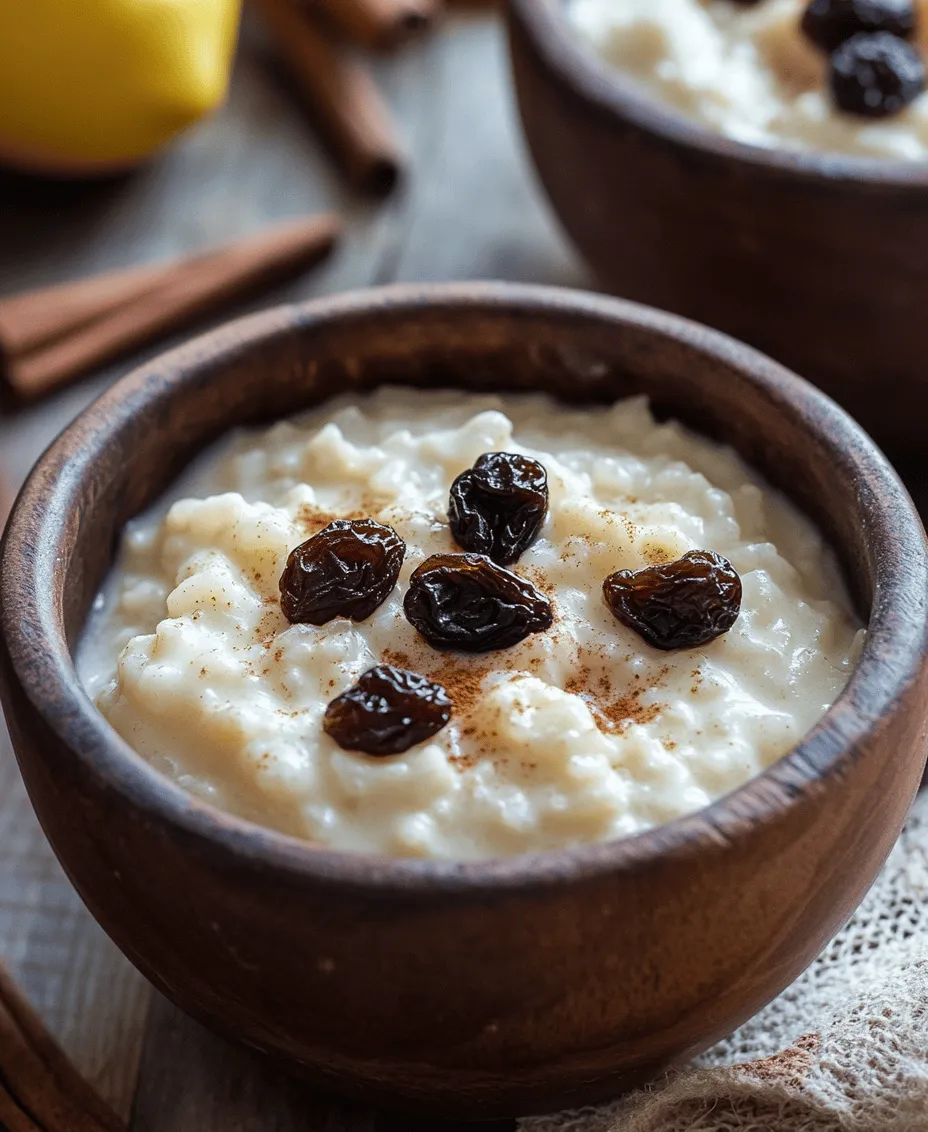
770	73
577	730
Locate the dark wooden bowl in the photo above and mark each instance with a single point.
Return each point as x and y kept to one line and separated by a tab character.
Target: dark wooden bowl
820	260
466	989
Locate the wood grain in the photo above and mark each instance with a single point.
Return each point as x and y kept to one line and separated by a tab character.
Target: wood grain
192	1079
89	995
37	1081
7	495
87	992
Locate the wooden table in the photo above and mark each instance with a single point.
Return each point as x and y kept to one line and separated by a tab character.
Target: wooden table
470	209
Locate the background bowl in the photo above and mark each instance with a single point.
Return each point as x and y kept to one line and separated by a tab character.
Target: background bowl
817	259
487	988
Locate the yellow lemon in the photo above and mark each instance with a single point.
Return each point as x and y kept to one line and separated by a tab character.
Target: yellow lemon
90	85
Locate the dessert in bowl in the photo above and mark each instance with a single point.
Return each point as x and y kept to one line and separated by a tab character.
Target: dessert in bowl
412	974
832	76
759	167
558	724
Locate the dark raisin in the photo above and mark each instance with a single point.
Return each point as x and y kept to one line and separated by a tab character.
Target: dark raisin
467	602
498	506
829	23
346	570
388	711
877	75
679	605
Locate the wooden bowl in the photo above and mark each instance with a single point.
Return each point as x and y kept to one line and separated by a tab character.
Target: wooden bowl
478	989
817	259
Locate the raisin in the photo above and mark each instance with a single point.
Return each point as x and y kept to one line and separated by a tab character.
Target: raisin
467	602
346	570
877	75
388	711
679	605
829	23
498	506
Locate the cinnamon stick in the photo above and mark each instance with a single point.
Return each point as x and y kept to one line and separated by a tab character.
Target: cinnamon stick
35	318
12	1117
40	1090
340	93
178	293
378	24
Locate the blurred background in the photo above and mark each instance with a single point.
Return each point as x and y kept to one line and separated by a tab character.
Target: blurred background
465	205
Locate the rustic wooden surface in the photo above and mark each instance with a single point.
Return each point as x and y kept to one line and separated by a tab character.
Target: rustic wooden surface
469	210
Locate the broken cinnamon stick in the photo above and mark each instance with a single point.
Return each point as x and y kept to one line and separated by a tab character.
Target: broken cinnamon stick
177	293
340	93
378	24
40	1090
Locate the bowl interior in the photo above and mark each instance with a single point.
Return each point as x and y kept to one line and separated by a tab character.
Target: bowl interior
128	447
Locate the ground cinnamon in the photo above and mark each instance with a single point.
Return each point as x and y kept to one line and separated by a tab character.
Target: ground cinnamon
50	336
379	24
40	1090
340	94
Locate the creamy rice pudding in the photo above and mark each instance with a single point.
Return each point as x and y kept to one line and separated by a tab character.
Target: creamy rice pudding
578	730
837	75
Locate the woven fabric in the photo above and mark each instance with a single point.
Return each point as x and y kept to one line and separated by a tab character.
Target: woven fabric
844	1049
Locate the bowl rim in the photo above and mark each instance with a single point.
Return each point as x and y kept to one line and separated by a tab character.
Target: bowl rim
606	91
894	656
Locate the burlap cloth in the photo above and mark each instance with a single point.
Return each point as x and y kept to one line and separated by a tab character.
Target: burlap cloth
845	1047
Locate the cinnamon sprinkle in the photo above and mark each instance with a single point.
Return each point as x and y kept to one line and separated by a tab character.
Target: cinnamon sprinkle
613	710
463	682
615	713
626	710
537	577
313	519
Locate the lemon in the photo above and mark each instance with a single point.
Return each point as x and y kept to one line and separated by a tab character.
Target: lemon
102	84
